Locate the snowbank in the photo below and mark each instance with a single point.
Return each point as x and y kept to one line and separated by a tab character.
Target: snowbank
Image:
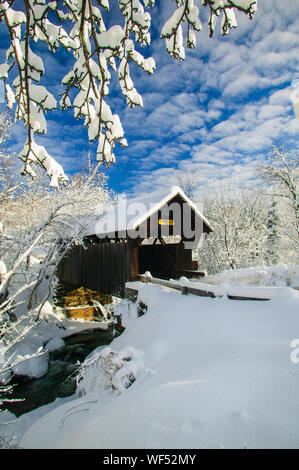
279	275
12	428
29	359
221	375
55	344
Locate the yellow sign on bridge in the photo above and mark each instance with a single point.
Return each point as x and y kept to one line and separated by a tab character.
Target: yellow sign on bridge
166	222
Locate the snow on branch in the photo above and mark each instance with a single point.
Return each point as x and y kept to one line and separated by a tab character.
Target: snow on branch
226	7
78	26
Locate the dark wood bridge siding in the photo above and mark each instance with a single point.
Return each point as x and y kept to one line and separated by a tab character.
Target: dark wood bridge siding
104	267
164	261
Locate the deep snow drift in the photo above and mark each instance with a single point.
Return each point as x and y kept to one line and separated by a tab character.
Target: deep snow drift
209	373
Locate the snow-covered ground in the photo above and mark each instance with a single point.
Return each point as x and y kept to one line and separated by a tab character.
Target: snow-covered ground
278	275
209	373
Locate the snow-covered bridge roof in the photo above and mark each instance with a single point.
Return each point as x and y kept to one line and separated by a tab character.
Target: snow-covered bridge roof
129	213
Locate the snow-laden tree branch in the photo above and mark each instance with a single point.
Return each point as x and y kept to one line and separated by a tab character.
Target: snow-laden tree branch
79	27
47	221
33	217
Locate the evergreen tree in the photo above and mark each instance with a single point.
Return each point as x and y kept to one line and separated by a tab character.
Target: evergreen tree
272	252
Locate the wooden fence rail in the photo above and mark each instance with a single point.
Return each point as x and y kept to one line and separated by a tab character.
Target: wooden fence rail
195	290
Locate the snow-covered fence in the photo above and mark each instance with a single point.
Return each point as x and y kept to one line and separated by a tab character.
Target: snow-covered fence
173	285
206	290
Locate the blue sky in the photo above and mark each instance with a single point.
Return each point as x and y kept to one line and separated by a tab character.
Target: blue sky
216	114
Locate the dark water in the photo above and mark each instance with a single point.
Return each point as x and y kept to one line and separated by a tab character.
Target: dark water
60	379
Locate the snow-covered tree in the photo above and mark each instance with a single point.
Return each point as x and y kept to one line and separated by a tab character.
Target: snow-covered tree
280	174
37	219
188	182
10	179
239	220
44	221
273	239
79	26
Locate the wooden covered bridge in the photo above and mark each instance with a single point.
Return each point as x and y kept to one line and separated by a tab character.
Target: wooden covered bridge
154	233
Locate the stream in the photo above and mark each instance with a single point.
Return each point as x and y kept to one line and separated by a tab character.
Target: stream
60	378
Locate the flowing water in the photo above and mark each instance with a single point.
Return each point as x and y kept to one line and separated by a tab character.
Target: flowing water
60	379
